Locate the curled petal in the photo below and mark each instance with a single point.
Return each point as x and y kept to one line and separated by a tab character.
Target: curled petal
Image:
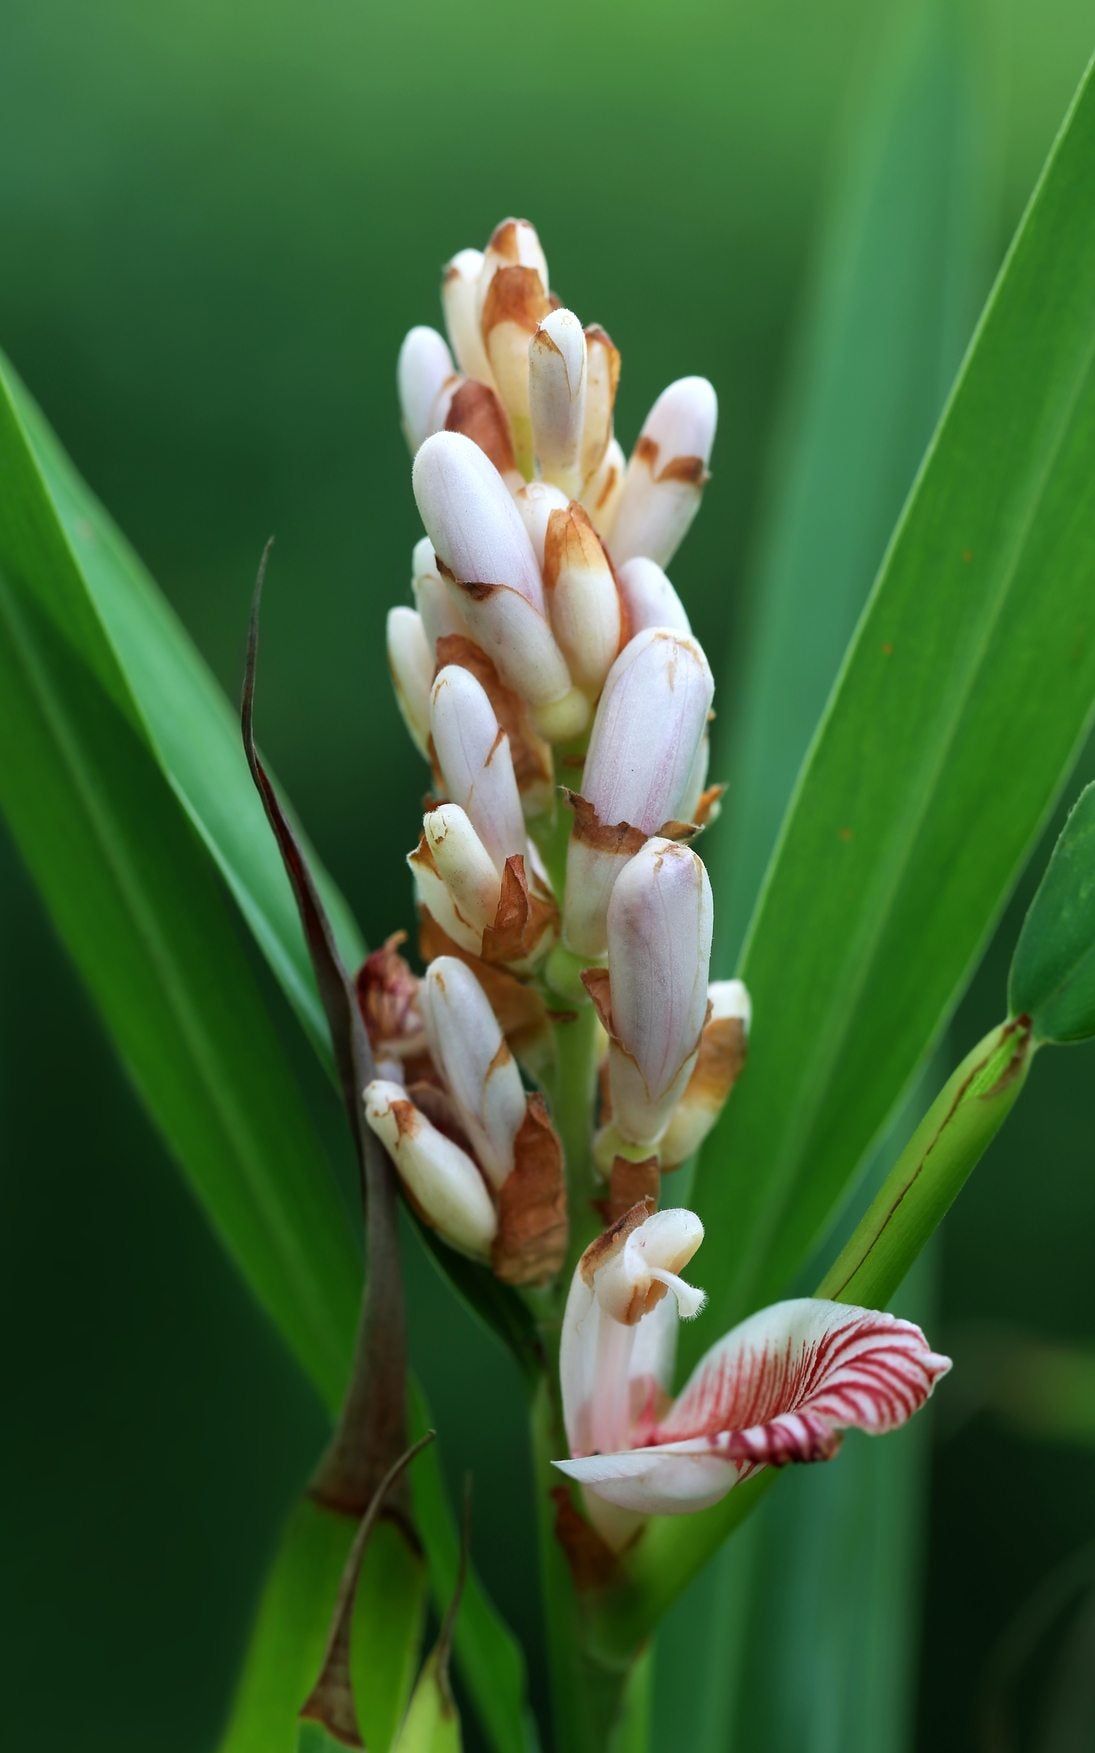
649	598
410	660
460	303
583	602
666	474
557	397
441	1180
479	1070
471	519
473	753
425	367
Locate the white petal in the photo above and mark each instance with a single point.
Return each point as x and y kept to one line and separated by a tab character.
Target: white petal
425	365
471	519
781	1386
665	476
474	756
557	397
654	1481
536	501
583	602
460	302
410	659
463	864
478	1068
659	949
441	1178
650	598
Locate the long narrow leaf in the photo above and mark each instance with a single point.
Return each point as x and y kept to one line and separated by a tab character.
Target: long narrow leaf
961	706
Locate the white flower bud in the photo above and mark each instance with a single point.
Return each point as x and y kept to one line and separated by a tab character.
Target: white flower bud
557	398
470	517
516	304
659	951
583	602
410	659
649	724
666	474
649	597
721	1056
474	756
463	864
479	1070
602	381
432	893
443	1182
425	367
536	501
601	495
436	601
636	1275
460	303
514	244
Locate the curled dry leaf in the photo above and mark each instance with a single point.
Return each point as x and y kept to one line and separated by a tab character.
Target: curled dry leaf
532	1213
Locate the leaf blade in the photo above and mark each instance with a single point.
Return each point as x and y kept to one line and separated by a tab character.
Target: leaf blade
1053	970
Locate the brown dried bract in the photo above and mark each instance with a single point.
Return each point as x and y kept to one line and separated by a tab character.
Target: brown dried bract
387	993
707	808
620	838
611	1240
591	1559
571	542
515	295
523	916
532	1208
632	1183
530	753
520	1010
598	983
476	412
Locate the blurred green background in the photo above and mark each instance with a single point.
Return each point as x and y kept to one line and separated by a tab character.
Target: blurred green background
217	224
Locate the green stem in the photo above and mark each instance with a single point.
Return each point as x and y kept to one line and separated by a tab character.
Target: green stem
573	1092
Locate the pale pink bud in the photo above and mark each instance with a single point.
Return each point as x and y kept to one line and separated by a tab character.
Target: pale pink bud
437	602
410	660
649	724
479	1071
666	474
659	951
583	602
425	367
464	866
601	494
602	381
474	756
471	519
460	303
536	501
721	1057
649	597
557	398
442	1180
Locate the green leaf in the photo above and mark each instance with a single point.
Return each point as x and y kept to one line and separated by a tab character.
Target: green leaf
961	705
59	544
138	905
1053	970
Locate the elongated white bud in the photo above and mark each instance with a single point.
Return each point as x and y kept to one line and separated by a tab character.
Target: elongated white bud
649	597
470	517
601	495
432	894
649	723
437	602
666	474
536	501
583	602
515	306
410	659
721	1057
479	1070
513	244
602	381
463	864
460	303
442	1179
659	951
557	398
425	367
474	756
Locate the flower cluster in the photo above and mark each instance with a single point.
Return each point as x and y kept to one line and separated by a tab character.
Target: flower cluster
549	676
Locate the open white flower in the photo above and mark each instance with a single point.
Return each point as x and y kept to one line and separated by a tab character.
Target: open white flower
780	1387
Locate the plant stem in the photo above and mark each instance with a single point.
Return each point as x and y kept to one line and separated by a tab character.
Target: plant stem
573	1089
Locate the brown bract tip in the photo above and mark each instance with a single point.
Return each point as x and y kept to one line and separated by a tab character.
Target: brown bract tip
571	542
620	838
532	1210
692	471
598	984
631	1184
611	1240
476	412
516	295
522	918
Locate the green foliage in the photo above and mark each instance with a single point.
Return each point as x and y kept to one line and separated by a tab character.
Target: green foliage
1053	971
958	712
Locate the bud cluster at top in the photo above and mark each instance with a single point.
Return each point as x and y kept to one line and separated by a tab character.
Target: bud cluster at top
547	665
